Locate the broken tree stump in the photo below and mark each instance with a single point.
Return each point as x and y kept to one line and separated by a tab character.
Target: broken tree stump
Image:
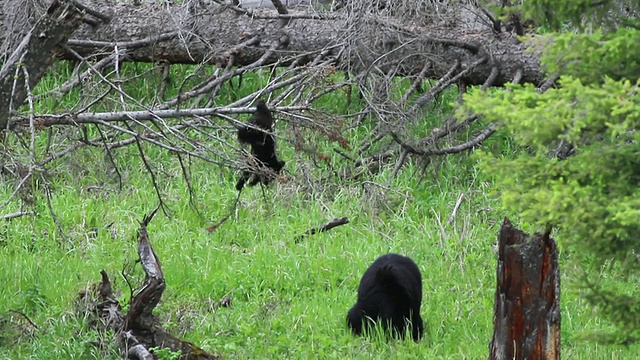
526	318
33	56
137	331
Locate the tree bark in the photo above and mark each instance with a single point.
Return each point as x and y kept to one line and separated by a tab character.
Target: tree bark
33	56
527	301
205	32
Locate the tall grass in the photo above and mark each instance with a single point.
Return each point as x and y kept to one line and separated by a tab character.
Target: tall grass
289	299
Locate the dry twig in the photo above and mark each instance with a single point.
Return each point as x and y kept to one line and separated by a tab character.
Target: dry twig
325	227
16	214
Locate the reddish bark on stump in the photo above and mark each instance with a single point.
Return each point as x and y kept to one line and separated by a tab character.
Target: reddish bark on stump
527	302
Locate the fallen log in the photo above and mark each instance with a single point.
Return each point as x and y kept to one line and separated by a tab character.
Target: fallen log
214	32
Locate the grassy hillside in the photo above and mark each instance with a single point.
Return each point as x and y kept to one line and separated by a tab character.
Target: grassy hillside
289	299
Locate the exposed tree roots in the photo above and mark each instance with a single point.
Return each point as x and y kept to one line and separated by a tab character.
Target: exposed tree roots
136	331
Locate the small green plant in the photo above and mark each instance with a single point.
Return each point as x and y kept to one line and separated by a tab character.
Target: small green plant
165	353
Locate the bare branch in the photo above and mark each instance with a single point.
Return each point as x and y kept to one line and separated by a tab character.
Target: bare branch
25	317
455	208
446	81
143	304
279	7
491	79
47	190
471	47
17	214
548	83
77	80
325	227
401	159
518	76
484	134
415	84
46	120
92	12
134	44
153	179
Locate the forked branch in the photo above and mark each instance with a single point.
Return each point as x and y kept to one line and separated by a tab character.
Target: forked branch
483	135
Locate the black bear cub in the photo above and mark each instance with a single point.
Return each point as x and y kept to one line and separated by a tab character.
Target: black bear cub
263	148
390	293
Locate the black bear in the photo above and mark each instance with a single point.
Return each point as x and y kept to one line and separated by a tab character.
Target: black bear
263	147
390	293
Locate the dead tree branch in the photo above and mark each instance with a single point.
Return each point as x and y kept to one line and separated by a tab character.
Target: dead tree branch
483	135
325	227
138	330
46	120
16	214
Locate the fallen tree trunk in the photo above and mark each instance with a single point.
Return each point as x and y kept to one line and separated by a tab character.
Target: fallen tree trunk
526	316
137	331
195	32
182	104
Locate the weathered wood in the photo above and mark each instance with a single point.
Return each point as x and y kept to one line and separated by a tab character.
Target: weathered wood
322	228
35	54
206	32
138	331
527	300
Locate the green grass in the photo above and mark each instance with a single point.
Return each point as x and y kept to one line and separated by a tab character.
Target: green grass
289	299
